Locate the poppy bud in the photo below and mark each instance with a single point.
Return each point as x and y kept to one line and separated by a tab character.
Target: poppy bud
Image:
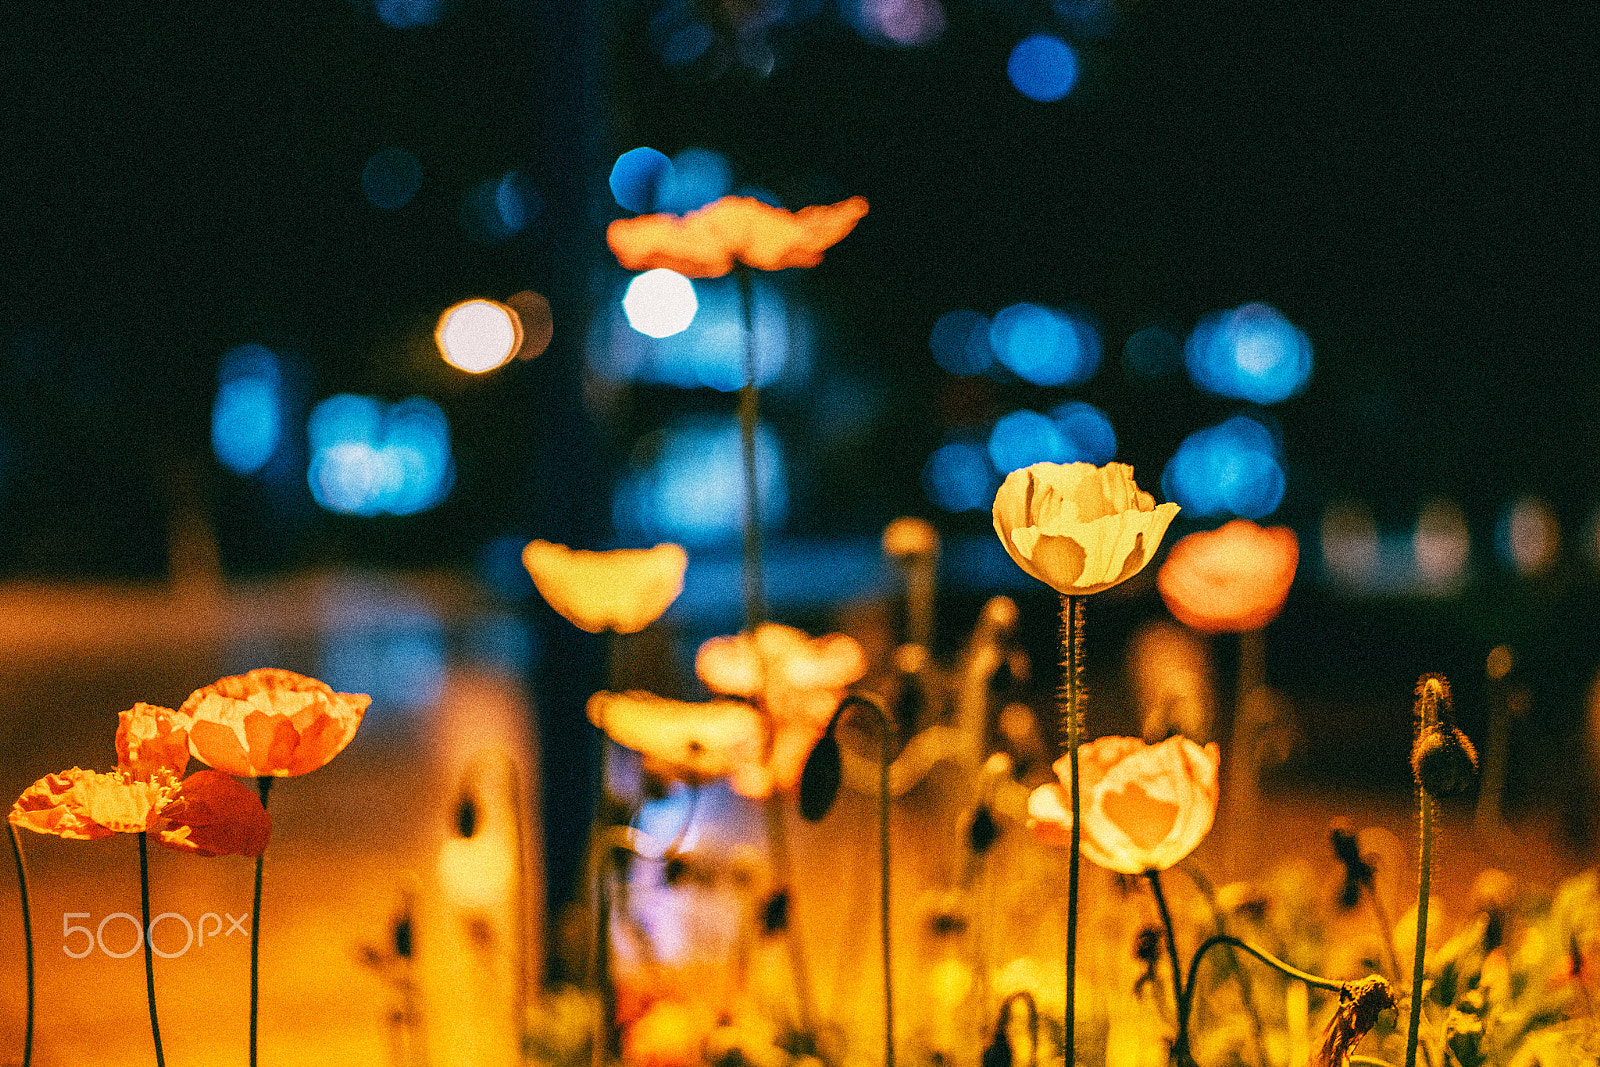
1444	762
820	778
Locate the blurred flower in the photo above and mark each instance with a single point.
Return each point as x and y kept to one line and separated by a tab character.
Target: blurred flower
1145	807
1230	579
692	742
798	680
150	738
736	229
623	590
1079	528
671	1034
270	722
207	813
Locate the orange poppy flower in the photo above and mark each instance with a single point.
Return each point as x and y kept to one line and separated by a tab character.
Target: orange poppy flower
799	681
1079	528
691	742
623	590
1230	579
1145	807
207	813
150	738
270	722
736	229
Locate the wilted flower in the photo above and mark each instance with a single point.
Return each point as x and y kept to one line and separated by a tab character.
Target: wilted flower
624	590
736	229
1079	528
270	722
1145	807
798	680
1230	579
1360	1004
207	813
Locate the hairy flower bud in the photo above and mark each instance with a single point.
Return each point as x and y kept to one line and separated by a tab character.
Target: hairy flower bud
1444	762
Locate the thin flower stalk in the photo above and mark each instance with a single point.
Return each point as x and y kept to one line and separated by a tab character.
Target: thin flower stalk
1072	698
754	585
263	787
27	941
149	961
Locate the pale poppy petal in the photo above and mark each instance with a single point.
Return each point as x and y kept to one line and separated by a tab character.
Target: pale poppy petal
695	742
271	721
54	805
1076	527
150	738
623	590
1050	814
1231	579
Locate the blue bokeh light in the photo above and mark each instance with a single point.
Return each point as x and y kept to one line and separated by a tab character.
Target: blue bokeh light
958	477
370	458
1022	438
1251	353
1234	468
496	209
1086	432
391	178
636	177
960	342
710	350
247	414
1043	67
1045	346
690	488
698	177
405	14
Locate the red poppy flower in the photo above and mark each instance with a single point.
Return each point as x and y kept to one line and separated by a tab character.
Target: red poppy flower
1230	579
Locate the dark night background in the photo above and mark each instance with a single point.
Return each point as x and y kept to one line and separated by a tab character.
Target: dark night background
1412	185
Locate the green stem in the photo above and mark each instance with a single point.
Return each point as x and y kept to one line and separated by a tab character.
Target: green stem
149	961
1424	878
1072	727
263	786
754	595
27	941
1178	992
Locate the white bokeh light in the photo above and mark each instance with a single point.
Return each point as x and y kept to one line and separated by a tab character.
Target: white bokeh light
478	335
660	303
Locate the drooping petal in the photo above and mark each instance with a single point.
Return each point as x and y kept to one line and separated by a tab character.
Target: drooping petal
624	590
54	805
150	738
215	815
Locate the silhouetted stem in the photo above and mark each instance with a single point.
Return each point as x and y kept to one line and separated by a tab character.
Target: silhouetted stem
149	961
884	760
1072	727
754	595
263	787
27	942
1172	940
1186	999
1424	878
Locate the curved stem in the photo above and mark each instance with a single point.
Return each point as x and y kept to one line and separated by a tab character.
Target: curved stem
263	786
884	760
149	961
1424	877
1072	727
27	941
1186	999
